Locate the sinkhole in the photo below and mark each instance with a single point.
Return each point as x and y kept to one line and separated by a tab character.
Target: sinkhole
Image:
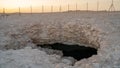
76	51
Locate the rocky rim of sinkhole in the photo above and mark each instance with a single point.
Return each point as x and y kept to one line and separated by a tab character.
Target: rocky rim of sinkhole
49	37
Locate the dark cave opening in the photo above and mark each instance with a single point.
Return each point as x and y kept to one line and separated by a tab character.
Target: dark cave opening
75	51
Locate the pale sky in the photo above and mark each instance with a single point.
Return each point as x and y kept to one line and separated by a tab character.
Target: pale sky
13	5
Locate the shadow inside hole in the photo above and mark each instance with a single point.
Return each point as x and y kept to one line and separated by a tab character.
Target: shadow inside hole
75	51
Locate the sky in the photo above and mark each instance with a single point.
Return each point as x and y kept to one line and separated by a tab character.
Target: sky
25	5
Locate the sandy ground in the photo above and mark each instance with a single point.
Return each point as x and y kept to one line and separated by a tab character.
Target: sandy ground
17	32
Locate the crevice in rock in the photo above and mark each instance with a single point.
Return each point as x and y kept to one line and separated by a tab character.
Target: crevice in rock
76	51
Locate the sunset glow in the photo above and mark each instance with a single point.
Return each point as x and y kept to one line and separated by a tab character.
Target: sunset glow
13	5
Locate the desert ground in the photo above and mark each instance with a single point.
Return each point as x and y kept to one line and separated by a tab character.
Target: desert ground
20	35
